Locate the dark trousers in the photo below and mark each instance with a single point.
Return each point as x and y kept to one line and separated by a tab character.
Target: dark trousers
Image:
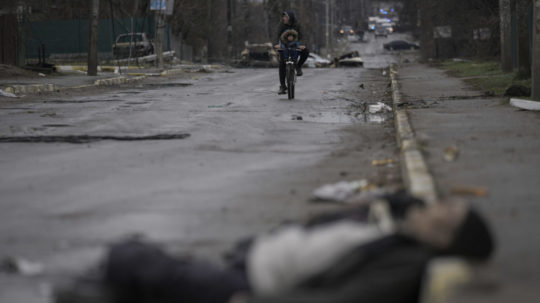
282	70
138	272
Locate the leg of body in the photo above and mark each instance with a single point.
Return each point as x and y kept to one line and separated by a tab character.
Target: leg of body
142	273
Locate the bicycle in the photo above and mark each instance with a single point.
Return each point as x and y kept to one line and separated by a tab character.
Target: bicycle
291	53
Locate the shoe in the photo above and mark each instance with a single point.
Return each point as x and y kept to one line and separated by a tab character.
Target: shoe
282	90
299	71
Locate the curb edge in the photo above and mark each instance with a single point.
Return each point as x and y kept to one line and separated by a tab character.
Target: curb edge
414	169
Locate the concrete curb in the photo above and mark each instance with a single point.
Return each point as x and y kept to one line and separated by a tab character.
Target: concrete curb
525	104
444	275
415	172
117	81
31	89
39	88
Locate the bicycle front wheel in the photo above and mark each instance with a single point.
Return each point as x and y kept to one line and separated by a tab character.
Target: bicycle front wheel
290	81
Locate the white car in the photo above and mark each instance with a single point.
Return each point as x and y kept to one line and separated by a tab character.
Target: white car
315	60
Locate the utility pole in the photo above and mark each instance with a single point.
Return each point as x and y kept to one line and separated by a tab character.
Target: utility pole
536	51
93	39
229	30
327	18
332	21
506	35
21	34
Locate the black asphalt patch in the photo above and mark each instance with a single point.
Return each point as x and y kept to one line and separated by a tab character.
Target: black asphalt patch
158	85
81	139
80	101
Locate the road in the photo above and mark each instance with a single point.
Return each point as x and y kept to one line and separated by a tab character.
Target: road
248	164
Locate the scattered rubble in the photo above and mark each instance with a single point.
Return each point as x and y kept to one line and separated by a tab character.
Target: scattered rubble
379	108
6	94
350	192
382	162
451	153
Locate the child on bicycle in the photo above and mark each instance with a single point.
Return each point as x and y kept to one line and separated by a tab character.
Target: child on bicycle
288	25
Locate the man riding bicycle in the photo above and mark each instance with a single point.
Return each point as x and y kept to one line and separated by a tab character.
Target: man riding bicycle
287	28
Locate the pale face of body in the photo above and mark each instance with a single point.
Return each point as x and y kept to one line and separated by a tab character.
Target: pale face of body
435	225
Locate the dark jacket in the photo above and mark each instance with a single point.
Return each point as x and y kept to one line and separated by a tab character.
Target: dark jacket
387	271
293	24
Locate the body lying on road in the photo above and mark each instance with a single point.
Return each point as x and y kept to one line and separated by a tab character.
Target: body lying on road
350	256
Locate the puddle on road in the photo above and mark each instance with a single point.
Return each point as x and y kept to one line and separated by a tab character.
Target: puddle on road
335	118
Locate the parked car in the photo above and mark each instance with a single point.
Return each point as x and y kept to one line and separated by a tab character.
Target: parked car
315	60
259	55
400	45
351	59
136	44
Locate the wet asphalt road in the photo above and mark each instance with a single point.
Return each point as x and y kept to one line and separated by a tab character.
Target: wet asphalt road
248	164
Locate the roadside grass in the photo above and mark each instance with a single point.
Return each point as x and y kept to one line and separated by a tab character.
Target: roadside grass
485	75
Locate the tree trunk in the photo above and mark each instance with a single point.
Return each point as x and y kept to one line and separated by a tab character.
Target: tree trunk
506	35
93	39
523	8
536	52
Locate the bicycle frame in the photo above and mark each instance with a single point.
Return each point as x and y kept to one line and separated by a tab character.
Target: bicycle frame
291	55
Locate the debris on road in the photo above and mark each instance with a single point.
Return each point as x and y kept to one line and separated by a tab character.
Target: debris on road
379	108
352	192
339	192
297	118
6	94
382	162
470	191
21	266
451	153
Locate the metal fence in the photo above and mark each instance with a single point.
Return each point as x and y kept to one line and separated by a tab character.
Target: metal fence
70	37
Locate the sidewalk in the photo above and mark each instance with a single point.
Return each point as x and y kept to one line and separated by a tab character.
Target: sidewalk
493	160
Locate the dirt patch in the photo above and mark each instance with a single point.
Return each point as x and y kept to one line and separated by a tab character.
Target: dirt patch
10	72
